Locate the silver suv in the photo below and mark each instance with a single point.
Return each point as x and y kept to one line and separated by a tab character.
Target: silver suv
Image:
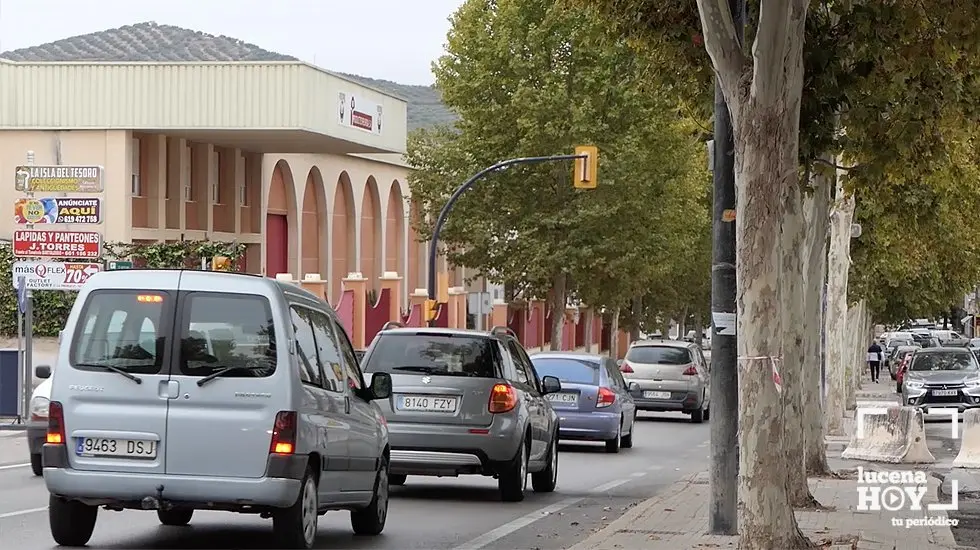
466	402
178	391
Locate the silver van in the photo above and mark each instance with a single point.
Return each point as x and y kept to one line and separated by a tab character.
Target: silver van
180	390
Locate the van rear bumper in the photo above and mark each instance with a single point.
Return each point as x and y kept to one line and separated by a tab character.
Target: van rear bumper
129	489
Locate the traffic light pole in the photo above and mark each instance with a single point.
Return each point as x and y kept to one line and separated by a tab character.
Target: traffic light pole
444	213
723	505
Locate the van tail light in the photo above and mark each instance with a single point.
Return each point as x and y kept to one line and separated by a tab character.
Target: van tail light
503	398
691	371
284	434
625	367
56	424
605	398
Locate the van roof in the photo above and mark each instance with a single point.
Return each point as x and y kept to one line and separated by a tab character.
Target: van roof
108	279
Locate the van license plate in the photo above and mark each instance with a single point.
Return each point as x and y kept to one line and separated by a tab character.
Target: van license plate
656	394
944	392
120	448
426	403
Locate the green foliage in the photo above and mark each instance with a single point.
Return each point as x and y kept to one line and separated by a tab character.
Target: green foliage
530	78
51	307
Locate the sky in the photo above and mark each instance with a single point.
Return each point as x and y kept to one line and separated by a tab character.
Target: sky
388	39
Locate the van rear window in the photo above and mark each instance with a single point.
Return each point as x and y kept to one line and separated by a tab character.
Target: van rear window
231	333
124	330
434	354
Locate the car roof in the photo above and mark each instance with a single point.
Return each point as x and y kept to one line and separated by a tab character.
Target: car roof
568	355
923	351
434	331
661	343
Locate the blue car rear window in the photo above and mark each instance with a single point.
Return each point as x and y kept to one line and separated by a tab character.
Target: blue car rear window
572	371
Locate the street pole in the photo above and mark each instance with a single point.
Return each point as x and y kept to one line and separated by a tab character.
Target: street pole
444	213
28	368
723	511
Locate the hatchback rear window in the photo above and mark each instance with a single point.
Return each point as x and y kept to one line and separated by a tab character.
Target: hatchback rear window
573	371
438	354
661	355
231	333
122	330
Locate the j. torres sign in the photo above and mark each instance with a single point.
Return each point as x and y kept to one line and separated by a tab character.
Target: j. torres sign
32	243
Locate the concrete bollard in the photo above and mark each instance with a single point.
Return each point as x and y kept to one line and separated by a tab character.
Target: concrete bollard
897	436
969	455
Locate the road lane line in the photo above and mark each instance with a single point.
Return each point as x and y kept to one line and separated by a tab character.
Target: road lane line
519	523
12	466
22	512
608	486
638	474
655	467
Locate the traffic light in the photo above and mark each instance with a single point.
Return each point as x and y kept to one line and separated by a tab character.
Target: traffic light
431	309
586	174
220	263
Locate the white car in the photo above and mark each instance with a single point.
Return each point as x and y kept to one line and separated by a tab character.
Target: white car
37	425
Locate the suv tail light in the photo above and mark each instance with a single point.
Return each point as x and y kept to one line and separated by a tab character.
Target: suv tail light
56	424
284	434
605	398
503	398
691	371
625	367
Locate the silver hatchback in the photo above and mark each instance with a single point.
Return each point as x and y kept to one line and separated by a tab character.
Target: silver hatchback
666	375
466	402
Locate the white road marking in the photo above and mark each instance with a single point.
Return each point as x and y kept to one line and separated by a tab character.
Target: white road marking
519	523
638	474
608	486
12	466
22	512
655	467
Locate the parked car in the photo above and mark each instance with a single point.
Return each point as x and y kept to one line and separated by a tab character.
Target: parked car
904	361
668	376
467	402
705	338
942	378
594	403
37	423
893	360
184	390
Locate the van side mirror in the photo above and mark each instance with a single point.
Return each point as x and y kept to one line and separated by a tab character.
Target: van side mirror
550	384
380	385
42	371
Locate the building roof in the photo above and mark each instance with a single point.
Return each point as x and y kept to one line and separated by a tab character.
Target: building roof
145	42
150	42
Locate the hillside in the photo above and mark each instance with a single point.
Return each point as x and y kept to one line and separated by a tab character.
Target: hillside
425	109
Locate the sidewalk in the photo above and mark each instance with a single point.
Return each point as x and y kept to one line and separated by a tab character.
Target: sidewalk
677	519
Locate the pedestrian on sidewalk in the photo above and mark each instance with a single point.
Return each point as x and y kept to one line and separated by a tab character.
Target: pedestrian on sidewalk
874	360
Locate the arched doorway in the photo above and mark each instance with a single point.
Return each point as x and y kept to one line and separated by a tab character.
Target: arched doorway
371	246
395	230
342	232
314	226
280	221
416	251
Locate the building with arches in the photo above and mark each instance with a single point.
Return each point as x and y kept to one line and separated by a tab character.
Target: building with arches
302	165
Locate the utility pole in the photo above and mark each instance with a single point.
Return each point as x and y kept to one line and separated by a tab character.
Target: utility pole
723	511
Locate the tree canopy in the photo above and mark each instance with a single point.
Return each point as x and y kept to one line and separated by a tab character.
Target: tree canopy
531	78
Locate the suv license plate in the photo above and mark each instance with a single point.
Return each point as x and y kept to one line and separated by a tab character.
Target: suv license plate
944	393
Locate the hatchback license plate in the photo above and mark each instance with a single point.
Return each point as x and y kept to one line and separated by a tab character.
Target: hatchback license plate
120	448
944	392
426	403
656	394
563	398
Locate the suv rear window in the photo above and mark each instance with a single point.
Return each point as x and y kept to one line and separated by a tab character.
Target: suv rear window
661	355
573	371
944	361
438	354
122	329
226	331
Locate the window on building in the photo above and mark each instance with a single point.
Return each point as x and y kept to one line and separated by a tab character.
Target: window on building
216	177
188	174
136	188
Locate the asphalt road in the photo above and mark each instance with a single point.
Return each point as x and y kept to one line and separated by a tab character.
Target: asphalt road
594	488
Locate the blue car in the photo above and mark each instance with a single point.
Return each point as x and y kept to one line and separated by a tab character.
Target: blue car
594	403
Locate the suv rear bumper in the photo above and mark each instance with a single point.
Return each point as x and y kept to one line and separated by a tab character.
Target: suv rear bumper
128	489
452	449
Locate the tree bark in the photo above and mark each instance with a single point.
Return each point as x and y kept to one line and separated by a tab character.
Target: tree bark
792	304
814	276
852	371
614	334
559	298
838	264
698	329
682	324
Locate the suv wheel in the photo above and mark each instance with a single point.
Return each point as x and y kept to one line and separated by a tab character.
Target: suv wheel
546	480
175	516
71	521
371	520
612	445
295	527
513	479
